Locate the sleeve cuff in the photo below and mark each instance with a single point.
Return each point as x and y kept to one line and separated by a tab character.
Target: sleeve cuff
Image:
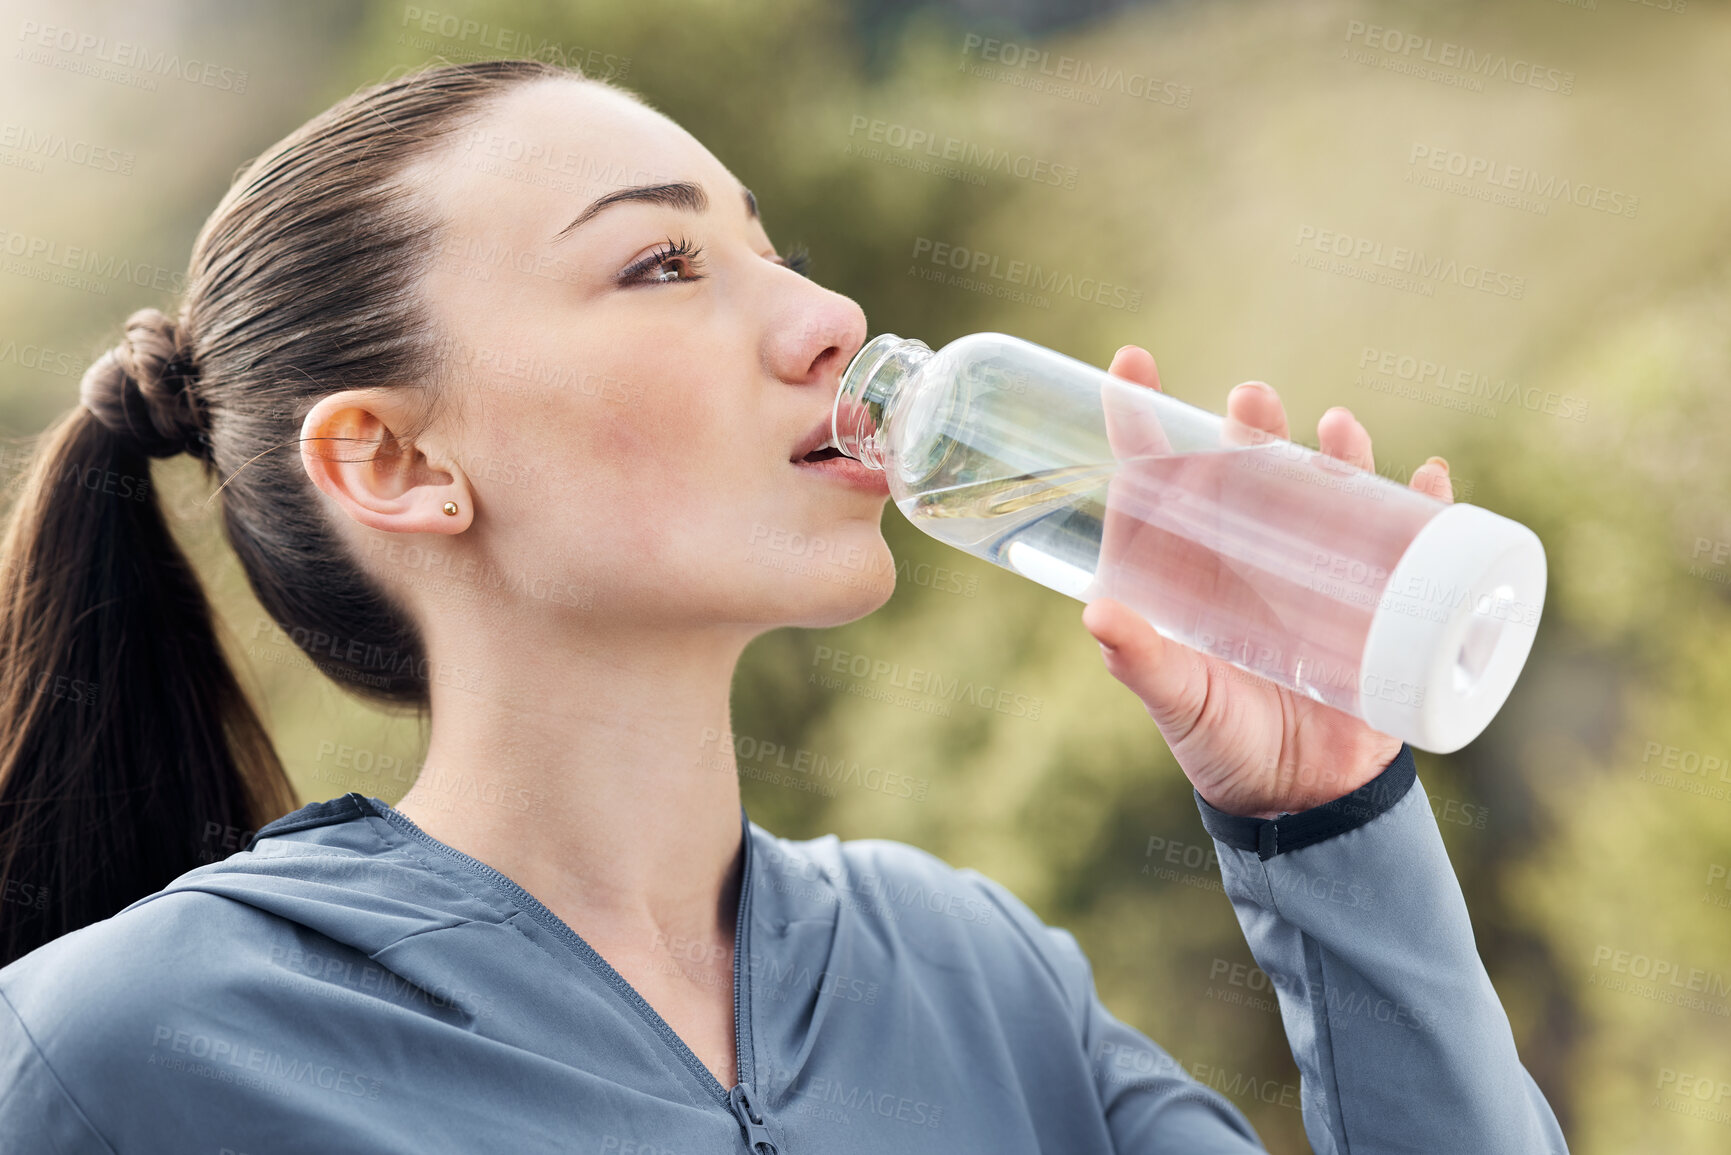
1271	836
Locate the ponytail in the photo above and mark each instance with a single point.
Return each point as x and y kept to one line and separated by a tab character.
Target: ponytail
124	737
125	741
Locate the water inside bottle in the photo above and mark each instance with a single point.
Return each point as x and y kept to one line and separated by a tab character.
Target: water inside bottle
1268	556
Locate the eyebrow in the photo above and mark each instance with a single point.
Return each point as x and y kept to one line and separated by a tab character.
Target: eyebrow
685	195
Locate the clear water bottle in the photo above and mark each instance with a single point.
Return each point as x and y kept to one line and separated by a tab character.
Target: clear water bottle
1411	613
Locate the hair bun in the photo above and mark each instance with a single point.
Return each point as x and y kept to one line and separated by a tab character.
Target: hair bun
143	389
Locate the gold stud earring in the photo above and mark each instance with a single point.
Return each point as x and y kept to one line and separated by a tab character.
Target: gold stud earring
451	508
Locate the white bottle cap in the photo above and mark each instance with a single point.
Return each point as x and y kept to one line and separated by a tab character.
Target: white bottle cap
1453	628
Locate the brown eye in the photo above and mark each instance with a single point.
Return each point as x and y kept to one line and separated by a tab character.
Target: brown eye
681	256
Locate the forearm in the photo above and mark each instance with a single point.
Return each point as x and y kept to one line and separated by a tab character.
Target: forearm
1354	912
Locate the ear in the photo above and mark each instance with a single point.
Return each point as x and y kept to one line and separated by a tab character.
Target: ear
350	450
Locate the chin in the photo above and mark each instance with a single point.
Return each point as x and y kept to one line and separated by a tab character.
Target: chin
836	599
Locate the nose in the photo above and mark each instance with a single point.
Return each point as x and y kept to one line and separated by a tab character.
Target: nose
813	334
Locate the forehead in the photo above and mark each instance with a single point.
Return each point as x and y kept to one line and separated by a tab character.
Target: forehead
543	151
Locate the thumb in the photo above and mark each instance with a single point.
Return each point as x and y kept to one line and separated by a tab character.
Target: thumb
1168	677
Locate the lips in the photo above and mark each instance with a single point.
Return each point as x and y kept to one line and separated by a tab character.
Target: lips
817	453
849	472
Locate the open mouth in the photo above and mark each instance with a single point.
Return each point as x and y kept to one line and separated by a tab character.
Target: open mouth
829	462
823	458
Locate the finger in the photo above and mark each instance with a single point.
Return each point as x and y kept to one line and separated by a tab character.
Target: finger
1167	677
1253	413
1433	478
1132	428
1340	435
1134	363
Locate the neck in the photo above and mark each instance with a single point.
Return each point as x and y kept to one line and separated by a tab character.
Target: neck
597	773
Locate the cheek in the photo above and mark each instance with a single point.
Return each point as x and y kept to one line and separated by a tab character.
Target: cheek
661	475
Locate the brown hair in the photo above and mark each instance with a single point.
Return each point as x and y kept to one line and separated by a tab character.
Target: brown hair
124	735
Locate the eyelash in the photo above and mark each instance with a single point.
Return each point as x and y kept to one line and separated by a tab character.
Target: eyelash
799	260
667	252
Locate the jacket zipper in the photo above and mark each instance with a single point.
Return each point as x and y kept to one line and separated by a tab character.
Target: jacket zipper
757	1139
739	1101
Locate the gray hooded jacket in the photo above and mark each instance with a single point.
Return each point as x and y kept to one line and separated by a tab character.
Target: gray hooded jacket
350	984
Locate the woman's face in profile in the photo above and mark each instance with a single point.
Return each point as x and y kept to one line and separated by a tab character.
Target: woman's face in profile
630	387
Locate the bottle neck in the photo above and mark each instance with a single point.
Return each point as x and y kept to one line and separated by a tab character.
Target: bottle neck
871	386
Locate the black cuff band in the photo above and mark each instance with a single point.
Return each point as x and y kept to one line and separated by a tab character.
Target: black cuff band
1271	836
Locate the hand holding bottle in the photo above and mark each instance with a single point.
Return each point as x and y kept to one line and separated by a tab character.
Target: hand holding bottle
1249	746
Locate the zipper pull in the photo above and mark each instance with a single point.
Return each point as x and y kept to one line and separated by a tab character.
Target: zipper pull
757	1138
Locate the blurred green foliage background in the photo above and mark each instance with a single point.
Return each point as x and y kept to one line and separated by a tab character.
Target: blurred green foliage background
1589	819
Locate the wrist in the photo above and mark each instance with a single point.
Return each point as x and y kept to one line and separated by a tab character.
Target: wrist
1305	786
1296	830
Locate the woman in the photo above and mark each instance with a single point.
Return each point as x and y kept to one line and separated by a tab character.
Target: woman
503	270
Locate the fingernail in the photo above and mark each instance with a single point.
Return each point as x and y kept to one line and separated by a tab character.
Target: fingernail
1437	461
